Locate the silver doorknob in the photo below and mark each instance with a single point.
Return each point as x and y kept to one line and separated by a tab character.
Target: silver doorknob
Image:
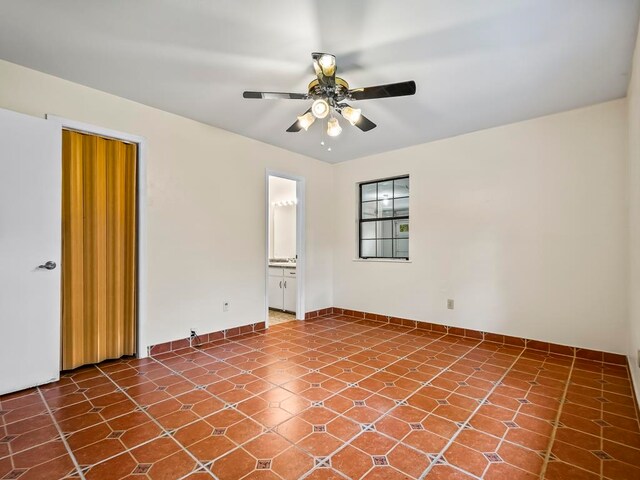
48	266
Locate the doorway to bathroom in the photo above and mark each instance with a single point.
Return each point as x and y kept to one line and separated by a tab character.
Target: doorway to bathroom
285	262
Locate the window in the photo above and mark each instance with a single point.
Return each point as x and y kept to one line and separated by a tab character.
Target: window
384	218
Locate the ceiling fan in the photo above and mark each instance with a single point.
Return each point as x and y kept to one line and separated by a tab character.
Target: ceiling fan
330	94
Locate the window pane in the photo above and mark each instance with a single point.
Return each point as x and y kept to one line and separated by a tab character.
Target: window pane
401	187
385	208
368	230
401	229
369	209
368	248
401	207
385	190
385	229
369	192
401	247
385	248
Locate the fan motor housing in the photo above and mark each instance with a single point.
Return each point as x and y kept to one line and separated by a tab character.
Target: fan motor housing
318	91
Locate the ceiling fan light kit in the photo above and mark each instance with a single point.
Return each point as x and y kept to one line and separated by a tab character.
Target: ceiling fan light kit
329	94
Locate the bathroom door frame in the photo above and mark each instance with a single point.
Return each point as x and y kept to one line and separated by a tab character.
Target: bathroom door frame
300	241
141	210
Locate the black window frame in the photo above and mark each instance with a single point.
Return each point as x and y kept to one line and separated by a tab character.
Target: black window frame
381	219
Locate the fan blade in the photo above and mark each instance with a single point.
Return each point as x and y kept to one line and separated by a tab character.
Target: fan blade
276	95
384	91
327	75
296	127
363	122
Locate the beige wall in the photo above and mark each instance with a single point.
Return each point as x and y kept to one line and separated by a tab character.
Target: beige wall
634	215
205	206
524	226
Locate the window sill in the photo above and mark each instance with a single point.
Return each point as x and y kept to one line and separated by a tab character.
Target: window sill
382	260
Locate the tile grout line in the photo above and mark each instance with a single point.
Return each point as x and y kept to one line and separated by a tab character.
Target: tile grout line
62	437
466	422
552	438
198	462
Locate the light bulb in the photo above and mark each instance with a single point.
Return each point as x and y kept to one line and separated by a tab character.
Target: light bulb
328	64
306	120
351	114
333	127
320	108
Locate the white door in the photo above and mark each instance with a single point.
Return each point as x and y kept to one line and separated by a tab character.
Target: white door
30	216
290	294
275	292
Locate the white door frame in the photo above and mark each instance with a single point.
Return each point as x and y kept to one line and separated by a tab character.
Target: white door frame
141	304
300	241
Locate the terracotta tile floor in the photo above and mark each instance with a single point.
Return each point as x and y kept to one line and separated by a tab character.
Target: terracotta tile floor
331	398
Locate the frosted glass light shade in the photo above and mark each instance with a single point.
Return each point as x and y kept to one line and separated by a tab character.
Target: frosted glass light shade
306	120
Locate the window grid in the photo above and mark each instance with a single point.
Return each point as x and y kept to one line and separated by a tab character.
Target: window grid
377	218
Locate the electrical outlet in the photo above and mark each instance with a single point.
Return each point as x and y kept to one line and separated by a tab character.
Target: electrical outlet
450	304
225	306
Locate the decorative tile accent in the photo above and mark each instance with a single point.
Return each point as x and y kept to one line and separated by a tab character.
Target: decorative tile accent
463	384
317	404
322	462
263	465
442	401
162	388
116	434
227	406
352	385
401	403
436	459
602	423
463	425
186	406
416	426
492	457
602	455
15	473
380	460
359	403
367	427
95	410
7	438
511	424
315	385
556	424
319	428
142	468
219	431
523	400
239	387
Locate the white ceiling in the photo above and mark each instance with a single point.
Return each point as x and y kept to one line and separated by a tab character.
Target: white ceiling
477	64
